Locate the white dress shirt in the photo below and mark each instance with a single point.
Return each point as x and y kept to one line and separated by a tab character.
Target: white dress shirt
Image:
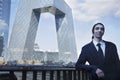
102	45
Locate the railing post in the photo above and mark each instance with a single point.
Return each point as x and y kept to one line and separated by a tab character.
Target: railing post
34	75
70	75
51	75
24	75
84	75
43	75
58	75
64	75
12	76
79	75
74	74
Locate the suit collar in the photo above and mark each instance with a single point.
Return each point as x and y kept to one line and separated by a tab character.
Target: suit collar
106	47
95	42
93	47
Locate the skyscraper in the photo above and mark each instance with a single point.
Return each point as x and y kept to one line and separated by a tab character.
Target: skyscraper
26	24
4	25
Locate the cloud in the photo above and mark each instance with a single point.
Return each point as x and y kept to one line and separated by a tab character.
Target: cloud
117	13
88	10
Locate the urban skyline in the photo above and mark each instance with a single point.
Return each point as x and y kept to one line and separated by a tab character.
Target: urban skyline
85	14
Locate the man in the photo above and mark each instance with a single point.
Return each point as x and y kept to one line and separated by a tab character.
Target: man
101	55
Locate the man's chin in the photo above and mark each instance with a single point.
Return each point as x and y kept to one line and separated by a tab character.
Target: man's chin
99	37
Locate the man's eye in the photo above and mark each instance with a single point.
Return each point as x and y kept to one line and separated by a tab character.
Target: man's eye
102	28
97	28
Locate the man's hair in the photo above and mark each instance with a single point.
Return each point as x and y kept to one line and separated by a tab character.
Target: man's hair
96	25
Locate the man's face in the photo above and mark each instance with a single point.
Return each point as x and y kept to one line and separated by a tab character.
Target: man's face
98	31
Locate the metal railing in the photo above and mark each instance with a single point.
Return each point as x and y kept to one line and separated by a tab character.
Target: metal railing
45	73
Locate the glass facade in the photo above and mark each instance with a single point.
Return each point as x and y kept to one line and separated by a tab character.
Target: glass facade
4	26
26	24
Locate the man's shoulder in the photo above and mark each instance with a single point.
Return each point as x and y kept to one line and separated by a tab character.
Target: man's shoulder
87	45
109	43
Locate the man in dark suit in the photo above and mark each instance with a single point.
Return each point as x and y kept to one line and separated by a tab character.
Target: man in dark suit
101	55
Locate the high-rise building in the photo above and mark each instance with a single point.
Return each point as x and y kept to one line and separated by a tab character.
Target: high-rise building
4	25
26	23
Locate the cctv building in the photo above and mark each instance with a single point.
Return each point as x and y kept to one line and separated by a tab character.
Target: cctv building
26	24
4	25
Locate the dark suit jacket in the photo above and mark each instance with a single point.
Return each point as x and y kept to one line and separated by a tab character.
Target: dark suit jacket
109	64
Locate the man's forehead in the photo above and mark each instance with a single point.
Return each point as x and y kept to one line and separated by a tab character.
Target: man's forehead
99	25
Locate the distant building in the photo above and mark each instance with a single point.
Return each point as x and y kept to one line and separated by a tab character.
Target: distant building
4	24
52	56
44	56
26	24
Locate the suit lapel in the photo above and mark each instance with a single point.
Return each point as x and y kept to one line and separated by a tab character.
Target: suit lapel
93	49
106	49
95	52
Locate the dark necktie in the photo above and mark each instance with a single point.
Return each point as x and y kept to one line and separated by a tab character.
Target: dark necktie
100	52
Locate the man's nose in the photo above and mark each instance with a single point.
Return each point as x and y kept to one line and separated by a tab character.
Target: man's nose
100	29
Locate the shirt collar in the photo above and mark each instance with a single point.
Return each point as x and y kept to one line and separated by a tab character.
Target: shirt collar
101	42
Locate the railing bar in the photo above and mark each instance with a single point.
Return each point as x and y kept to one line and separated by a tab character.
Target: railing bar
24	74
64	75
58	75
74	74
61	74
51	75
43	75
67	75
87	76
79	75
70	75
34	75
84	75
12	76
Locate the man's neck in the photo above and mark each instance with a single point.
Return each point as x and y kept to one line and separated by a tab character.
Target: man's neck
97	39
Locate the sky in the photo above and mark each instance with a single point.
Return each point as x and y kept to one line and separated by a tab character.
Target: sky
85	14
